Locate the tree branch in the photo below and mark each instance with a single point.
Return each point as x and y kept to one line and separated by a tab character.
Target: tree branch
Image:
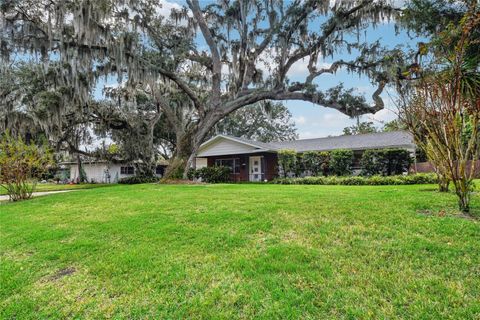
318	98
216	62
330	28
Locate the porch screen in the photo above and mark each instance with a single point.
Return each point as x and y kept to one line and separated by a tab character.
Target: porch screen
233	164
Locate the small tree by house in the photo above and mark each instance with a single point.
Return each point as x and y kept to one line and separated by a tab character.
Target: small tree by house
444	109
453	138
341	162
21	165
287	162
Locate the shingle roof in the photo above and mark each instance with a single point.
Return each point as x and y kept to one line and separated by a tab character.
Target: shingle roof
259	144
354	142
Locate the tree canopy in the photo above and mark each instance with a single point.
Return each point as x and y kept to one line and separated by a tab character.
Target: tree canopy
263	122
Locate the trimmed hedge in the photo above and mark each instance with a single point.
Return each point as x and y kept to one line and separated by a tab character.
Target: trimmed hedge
421	178
138	180
316	162
385	162
288	162
215	174
341	162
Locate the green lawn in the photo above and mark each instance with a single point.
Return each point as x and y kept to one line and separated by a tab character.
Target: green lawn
240	251
41	187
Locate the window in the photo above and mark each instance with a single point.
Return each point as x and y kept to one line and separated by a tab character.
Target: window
233	164
159	170
127	170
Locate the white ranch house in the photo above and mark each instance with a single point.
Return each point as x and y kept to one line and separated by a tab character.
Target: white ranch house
98	171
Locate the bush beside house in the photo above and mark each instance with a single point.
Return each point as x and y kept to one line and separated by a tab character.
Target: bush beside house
287	162
21	165
316	162
215	174
385	162
341	162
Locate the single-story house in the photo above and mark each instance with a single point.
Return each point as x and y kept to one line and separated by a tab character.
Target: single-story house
101	171
257	161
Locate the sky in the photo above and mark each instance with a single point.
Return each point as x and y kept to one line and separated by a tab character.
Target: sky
314	121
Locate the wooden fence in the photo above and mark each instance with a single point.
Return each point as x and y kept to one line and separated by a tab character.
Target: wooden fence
425	167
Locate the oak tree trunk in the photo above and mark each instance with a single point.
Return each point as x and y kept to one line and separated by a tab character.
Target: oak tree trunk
177	168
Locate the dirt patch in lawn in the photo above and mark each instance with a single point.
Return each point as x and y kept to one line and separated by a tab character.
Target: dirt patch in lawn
62	273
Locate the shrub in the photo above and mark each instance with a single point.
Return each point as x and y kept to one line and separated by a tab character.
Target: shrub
287	162
325	162
421	178
193	174
299	166
341	162
353	181
21	165
385	162
396	161
316	162
176	173
369	163
214	174
138	180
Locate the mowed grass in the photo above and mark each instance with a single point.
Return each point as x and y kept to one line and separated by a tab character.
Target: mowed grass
43	187
240	252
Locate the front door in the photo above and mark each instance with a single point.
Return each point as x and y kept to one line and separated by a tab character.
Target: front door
256	168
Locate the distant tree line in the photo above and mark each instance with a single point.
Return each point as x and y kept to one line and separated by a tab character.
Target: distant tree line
369	127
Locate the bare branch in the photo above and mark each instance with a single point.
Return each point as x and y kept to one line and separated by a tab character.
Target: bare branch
217	65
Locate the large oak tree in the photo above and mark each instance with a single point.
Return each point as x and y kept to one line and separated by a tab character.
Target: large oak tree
204	61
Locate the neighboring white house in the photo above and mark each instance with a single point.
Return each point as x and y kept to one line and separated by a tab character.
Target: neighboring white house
106	172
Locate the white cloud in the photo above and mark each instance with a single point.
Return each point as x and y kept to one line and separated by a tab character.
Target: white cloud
323	123
387	114
335	117
300	120
384	115
300	68
166	7
307	135
365	89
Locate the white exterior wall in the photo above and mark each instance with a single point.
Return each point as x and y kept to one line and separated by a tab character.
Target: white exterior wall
96	172
225	147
